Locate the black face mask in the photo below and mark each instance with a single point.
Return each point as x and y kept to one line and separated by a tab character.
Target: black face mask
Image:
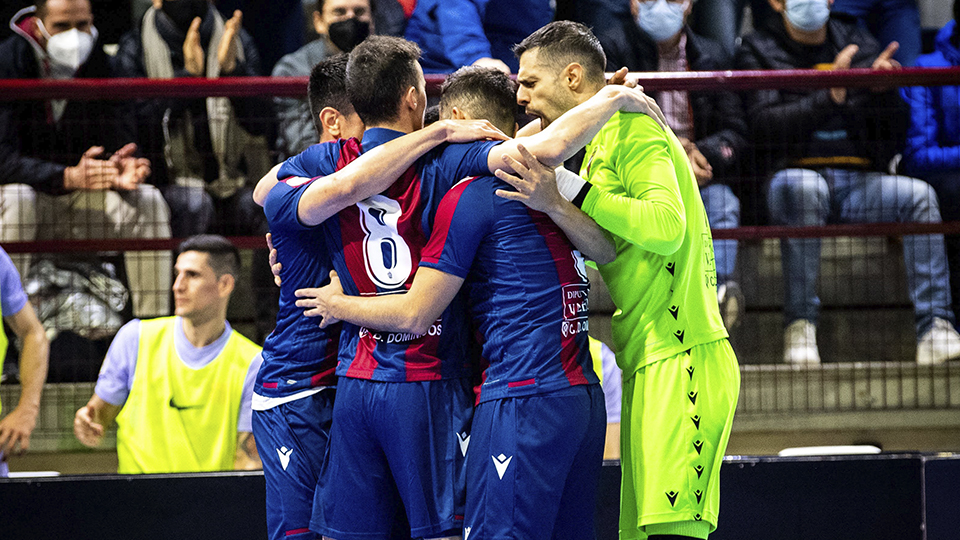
348	33
182	12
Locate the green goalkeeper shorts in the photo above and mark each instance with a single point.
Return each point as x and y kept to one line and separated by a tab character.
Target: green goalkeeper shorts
676	420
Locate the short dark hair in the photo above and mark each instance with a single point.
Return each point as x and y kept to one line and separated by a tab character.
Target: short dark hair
563	42
431	114
328	88
223	256
379	72
482	92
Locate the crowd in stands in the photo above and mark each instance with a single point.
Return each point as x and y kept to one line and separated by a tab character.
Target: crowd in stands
175	167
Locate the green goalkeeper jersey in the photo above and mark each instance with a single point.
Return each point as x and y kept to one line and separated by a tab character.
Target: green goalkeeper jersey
663	281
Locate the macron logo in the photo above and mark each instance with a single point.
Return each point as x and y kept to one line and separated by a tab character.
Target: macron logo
464	441
466	533
501	462
284	454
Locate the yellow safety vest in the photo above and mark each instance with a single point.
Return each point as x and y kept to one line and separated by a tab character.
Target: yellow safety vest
179	419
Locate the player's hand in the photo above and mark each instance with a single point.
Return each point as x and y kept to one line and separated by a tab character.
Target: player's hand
492	63
460	131
634	100
275	265
91	173
15	430
318	301
701	167
227	49
535	183
620	77
193	57
842	61
88	432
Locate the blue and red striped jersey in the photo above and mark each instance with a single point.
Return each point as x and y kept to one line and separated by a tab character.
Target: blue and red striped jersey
527	289
376	248
298	354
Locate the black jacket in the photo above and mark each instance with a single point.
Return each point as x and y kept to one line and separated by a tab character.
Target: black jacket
145	116
791	123
718	119
34	150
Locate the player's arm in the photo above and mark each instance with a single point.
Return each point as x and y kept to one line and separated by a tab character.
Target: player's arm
576	127
413	312
246	458
536	187
93	419
16	427
650	213
266	184
375	170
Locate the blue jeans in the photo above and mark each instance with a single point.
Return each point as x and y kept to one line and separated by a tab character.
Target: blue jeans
723	212
889	20
802	197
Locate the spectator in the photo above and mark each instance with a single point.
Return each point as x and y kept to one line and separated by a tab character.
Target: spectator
710	125
455	33
889	20
205	151
341	24
16	427
722	20
52	184
824	145
933	139
180	388
614	22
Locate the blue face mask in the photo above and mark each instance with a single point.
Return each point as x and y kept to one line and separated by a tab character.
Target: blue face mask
808	15
660	19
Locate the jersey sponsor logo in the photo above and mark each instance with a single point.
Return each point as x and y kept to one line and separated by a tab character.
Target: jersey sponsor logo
576	309
386	256
400	337
501	462
284	454
464	440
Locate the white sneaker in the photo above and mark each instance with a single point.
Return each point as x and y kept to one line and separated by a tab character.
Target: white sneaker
800	343
731	301
939	344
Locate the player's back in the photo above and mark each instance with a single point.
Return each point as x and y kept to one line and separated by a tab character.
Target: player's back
376	247
298	354
667	299
527	289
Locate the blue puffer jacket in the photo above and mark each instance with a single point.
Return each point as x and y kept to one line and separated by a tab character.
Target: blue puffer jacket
933	139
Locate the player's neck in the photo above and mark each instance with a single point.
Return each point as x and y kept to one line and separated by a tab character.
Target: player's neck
404	123
202	331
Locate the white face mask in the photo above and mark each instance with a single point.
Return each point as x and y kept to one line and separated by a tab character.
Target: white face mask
808	15
69	49
660	19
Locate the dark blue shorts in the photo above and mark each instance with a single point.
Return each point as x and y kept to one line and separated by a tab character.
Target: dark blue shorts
292	441
534	466
395	446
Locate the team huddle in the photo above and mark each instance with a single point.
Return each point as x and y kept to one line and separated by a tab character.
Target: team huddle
442	273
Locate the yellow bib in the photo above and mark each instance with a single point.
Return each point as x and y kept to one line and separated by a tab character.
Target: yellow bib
179	419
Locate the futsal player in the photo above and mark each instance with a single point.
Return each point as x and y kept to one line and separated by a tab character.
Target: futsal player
404	403
680	375
536	445
295	387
